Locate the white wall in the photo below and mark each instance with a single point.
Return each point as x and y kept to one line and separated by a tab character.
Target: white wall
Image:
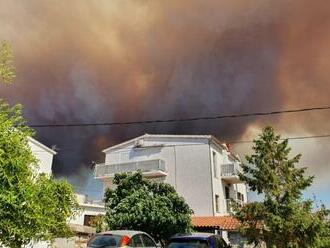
87	209
45	158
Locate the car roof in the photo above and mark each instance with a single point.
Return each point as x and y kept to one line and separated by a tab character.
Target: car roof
193	235
128	233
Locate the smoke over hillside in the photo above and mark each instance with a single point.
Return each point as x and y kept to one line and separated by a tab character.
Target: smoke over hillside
121	60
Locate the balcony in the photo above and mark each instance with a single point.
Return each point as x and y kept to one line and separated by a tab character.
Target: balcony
150	168
230	172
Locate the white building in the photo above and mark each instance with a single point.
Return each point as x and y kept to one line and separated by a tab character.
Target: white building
199	167
43	154
89	208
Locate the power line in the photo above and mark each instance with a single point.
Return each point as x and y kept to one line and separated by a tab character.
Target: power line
70	148
231	116
289	138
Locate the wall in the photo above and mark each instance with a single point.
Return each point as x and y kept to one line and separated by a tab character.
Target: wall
45	158
87	209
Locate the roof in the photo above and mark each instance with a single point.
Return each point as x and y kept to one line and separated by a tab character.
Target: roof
42	146
221	222
211	138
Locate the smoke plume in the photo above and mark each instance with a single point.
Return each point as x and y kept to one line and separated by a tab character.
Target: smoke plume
127	60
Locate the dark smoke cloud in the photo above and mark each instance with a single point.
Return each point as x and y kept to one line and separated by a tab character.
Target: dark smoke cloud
121	60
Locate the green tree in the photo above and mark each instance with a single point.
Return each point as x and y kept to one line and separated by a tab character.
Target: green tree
7	70
282	219
98	223
141	204
32	207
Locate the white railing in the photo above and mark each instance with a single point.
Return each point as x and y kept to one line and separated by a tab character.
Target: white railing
103	170
232	169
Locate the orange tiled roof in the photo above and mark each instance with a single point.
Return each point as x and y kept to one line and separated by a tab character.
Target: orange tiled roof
221	222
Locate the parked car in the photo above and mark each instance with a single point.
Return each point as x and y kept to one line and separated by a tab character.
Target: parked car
198	240
120	238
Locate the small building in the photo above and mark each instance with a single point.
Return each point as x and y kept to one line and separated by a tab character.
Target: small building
89	210
199	167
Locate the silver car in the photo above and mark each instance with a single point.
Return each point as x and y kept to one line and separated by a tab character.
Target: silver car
121	238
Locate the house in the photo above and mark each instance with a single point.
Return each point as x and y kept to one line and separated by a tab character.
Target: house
199	167
43	154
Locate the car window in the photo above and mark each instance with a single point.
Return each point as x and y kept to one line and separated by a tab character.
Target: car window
107	240
147	241
220	243
188	243
136	241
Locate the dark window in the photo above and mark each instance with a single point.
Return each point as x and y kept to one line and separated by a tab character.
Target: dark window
217	209
88	219
227	192
104	241
147	241
136	241
188	243
219	242
215	165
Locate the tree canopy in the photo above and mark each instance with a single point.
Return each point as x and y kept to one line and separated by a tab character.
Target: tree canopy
282	219
141	204
33	207
7	70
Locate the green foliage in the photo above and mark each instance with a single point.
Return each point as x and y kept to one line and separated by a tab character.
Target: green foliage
141	204
7	70
32	207
57	204
282	219
98	223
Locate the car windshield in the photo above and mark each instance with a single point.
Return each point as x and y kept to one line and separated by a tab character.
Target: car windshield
188	243
105	241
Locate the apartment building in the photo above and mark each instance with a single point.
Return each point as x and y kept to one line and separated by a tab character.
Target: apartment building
199	167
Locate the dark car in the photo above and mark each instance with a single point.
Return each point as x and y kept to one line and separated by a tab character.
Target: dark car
198	240
121	238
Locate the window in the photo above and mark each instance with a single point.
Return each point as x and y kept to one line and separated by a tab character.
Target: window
227	192
219	242
136	241
215	164
240	197
217	204
148	242
88	219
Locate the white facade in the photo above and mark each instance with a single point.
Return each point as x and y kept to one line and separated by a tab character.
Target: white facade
43	154
199	167
88	208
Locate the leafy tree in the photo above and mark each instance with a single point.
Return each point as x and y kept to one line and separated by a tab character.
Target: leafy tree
32	207
282	219
98	223
7	70
141	204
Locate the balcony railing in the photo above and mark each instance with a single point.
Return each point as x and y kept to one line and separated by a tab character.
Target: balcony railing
151	168
230	172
